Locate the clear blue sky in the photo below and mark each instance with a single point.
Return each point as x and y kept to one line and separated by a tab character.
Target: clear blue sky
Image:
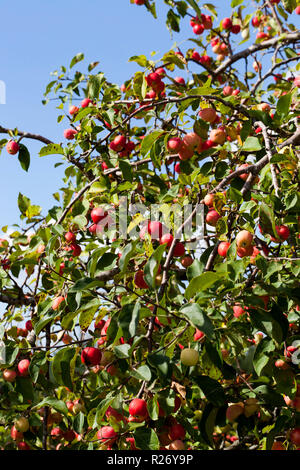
38	36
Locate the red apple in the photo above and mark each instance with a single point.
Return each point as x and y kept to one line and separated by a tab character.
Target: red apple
12	147
69	134
91	356
212	217
227	23
244	239
23	367
138	408
223	248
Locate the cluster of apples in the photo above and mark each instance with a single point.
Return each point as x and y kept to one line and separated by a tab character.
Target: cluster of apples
171	433
70	133
159	232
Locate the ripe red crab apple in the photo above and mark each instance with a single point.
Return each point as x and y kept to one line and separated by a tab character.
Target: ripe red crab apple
12	147
244	239
91	356
69	134
138	408
23	367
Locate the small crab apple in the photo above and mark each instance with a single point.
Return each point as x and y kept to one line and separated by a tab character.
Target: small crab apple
238	311
23	367
107	434
186	261
57	301
98	214
244	239
189	357
177	167
196	56
208	114
198	335
256	66
9	375
192	141
176	431
179	80
139	2
138	408
86	102
166	238
91	356
73	109
69	134
283	231
226	23
70	237
174	145
179	249
255	21
12	147
15	434
22	424
209	200
227	90
212	217
217	136
198	28
235	29
223	248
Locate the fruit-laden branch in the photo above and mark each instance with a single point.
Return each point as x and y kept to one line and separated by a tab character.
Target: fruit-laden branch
271	71
286	39
16	301
27	135
293	140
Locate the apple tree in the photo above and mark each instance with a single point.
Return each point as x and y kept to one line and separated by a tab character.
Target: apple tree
121	328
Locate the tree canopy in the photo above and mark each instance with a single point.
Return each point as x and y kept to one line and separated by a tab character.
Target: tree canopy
157	304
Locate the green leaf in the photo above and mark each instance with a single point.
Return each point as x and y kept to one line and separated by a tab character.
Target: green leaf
161	363
152	265
207	423
128	319
289	5
212	390
149	140
142	373
261	357
251	144
126	169
77	58
94	85
127	254
194	5
267	220
201	283
173	21
101	409
87	313
85	283
61	366
24	157
58	405
146	439
236	3
51	149
122	351
196	315
283	105
139	59
153	408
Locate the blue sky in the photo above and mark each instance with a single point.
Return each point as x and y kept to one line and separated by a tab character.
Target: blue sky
37	37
